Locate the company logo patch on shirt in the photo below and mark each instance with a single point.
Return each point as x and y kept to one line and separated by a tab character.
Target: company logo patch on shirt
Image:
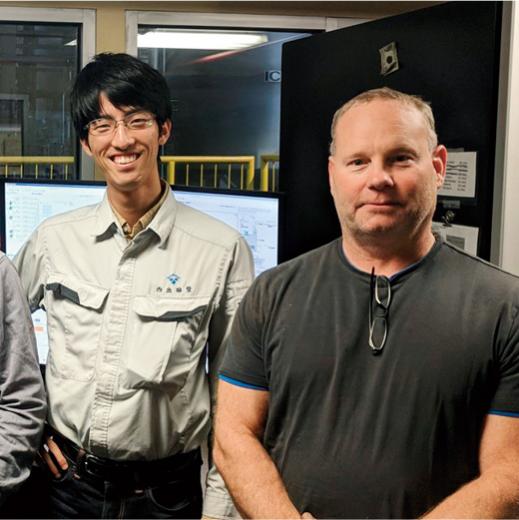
173	278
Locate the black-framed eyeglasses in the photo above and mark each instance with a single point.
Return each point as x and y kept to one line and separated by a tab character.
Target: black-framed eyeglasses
107	125
379	301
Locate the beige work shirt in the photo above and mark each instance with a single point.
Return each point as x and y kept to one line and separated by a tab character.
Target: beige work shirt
128	324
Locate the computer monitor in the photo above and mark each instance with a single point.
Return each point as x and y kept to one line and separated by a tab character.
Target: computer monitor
254	215
25	204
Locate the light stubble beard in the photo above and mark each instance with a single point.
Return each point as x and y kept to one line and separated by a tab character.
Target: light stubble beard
412	226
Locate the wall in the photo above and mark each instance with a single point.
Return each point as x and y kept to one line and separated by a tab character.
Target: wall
509	258
110	16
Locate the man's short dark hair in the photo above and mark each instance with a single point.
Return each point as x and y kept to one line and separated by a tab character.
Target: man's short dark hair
126	81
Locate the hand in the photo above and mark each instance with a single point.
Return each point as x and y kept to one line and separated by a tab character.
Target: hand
307	515
53	457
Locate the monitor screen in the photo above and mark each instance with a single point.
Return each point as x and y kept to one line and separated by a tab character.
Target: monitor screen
255	217
27	204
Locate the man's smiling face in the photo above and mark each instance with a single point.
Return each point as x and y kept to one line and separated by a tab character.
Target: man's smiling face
384	175
128	158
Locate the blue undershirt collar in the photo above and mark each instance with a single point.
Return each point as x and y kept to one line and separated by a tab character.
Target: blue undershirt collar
400	273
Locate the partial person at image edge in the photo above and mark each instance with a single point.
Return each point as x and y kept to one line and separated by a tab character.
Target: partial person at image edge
22	396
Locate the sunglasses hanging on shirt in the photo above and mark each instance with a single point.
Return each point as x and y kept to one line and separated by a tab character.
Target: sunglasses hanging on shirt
379	301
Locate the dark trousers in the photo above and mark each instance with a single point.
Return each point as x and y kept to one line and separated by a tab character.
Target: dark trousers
31	500
75	496
42	496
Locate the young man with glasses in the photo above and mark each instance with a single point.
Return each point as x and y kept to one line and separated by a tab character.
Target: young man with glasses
140	292
377	376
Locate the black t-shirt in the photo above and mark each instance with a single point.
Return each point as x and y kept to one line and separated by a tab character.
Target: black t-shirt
356	435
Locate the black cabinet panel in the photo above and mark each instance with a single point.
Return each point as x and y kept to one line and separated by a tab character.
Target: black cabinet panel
448	54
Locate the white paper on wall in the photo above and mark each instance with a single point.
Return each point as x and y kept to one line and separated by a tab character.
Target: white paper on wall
464	237
460	179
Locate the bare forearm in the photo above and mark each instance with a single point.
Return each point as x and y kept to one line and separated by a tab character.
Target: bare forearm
252	478
494	495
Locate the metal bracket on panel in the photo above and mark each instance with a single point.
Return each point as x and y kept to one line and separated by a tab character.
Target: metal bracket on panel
388	59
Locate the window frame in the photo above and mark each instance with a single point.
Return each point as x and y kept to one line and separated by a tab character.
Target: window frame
176	19
232	21
84	17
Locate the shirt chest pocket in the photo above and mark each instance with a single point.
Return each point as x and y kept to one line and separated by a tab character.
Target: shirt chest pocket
74	320
165	342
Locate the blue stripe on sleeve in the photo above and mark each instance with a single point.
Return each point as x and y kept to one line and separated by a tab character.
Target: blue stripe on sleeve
505	414
240	383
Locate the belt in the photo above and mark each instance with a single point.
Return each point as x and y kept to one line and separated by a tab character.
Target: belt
138	473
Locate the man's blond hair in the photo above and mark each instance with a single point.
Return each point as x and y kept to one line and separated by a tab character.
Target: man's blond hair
386	93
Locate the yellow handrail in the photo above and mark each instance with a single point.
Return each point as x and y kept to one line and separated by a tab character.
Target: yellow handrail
244	160
267	166
36	159
247	168
7	160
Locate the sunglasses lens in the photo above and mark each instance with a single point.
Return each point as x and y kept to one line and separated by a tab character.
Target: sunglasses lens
382	291
378	312
378	332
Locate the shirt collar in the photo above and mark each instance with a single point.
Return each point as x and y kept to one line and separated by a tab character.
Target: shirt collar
395	276
160	218
105	219
144	221
164	220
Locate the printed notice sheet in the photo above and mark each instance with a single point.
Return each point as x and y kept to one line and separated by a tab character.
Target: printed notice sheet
460	179
464	237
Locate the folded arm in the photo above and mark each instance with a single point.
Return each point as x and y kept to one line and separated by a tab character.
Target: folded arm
495	493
